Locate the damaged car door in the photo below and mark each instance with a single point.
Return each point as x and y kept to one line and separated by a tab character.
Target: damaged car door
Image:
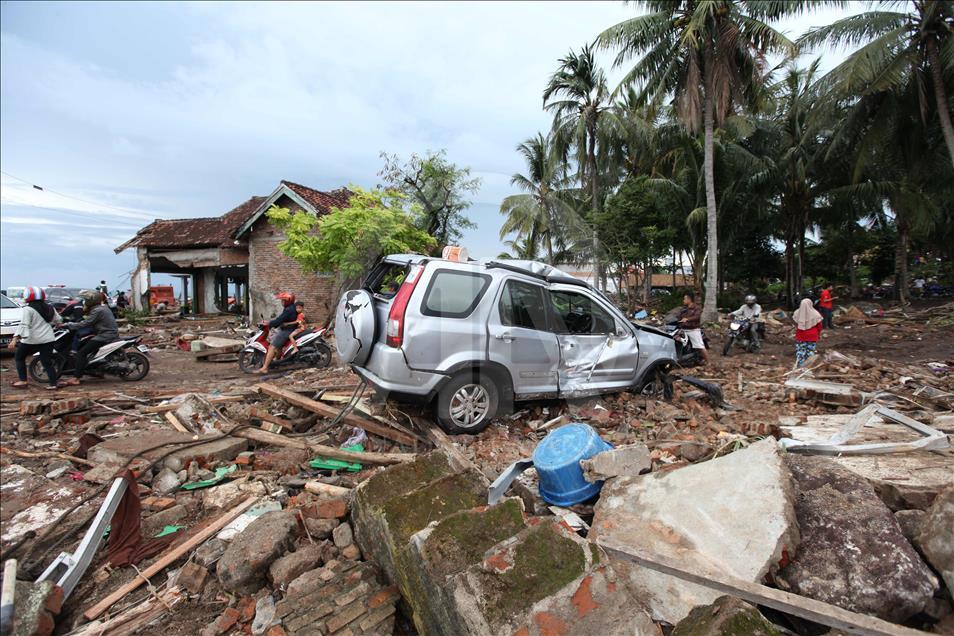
598	352
521	340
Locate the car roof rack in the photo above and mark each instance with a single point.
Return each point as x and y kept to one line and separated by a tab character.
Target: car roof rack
540	271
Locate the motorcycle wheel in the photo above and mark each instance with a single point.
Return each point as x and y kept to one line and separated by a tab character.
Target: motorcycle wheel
140	365
250	360
321	358
727	347
38	373
753	347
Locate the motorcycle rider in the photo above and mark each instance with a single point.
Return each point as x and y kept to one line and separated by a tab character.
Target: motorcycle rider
101	320
751	311
282	327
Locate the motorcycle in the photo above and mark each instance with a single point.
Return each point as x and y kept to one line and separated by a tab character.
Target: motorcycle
125	358
313	351
686	355
740	332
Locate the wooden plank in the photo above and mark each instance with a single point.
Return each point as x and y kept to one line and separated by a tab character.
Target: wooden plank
807	608
272	419
379	459
440	440
331	412
169	557
176	424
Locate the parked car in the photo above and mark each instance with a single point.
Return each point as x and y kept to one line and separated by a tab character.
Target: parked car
472	337
10	314
60	296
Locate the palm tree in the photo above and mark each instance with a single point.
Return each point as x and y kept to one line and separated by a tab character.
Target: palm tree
545	212
709	56
899	47
578	96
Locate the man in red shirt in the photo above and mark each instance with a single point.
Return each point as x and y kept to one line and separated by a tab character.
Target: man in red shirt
826	307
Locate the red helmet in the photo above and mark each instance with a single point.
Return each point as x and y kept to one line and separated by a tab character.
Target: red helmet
287	298
34	293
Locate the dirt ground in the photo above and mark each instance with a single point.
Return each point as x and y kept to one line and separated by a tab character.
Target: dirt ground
879	353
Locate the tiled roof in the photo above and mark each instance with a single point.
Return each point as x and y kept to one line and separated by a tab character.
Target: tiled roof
202	232
322	202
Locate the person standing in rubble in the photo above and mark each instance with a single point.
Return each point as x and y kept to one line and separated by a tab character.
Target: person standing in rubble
808	327
826	306
35	335
691	321
282	328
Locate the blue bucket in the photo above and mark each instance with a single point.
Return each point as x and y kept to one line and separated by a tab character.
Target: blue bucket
557	460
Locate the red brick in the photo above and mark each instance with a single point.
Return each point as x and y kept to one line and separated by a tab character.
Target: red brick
549	624
499	562
158	503
227	620
246	608
583	597
275	630
54	600
523	631
192	577
386	595
332	509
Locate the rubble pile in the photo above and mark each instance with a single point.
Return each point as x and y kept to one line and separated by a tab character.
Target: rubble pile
305	504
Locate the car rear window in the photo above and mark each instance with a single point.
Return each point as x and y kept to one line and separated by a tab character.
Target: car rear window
453	294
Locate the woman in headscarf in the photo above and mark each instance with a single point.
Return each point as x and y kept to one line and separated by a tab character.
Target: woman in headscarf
808	326
35	335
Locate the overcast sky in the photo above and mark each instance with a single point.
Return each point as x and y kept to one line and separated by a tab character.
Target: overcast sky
126	112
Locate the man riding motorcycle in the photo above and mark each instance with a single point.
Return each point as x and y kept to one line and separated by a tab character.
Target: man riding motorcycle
101	320
752	312
282	327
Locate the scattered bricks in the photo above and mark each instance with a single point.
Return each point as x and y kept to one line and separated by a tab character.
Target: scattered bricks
227	620
157	504
275	630
376	617
33	407
332	508
286	461
76	419
351	552
71	405
343	536
26	428
353	595
309	616
154	523
192	577
345	616
245	459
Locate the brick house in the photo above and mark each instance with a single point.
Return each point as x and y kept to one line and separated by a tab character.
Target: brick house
238	249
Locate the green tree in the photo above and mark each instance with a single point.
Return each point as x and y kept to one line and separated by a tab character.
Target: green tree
545	211
349	241
709	57
579	98
439	187
898	48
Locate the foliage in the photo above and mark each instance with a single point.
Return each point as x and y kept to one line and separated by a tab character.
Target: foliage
440	189
349	240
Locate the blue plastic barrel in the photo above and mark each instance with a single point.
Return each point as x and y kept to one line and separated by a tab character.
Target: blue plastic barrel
557	460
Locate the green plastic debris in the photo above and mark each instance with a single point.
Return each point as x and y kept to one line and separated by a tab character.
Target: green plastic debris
169	530
220	474
339	464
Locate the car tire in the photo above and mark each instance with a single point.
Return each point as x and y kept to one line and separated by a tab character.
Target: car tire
467	403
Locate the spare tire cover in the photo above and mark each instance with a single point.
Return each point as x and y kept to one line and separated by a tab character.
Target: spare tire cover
354	326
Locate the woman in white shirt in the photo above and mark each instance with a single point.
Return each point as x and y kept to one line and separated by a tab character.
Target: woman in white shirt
35	335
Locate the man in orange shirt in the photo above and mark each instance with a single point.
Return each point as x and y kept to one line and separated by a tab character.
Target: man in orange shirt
826	307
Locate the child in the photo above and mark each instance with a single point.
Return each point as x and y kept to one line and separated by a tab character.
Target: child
300	321
808	326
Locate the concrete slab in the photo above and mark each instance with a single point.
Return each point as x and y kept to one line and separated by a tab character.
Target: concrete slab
734	514
121	449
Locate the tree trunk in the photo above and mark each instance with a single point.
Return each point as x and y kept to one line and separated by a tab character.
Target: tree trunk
853	276
710	307
598	275
674	269
901	259
801	260
940	95
789	273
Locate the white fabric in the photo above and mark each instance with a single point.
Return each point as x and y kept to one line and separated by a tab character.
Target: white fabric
806	316
748	313
695	338
33	329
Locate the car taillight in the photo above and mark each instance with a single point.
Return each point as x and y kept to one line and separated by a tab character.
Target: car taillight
395	328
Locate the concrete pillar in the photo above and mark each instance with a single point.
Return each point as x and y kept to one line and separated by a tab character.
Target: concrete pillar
207	302
140	282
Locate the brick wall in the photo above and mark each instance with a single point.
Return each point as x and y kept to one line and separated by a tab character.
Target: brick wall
270	272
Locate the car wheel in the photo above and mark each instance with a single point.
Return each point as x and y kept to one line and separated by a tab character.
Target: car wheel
467	403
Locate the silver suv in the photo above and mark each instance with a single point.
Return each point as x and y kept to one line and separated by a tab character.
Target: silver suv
472	337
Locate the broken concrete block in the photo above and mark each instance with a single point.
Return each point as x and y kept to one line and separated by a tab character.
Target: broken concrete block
166	482
227	494
342	535
264	614
244	564
209	552
320	528
734	515
936	538
727	616
852	552
289	567
630	460
36	606
120	449
192	577
910	523
70	405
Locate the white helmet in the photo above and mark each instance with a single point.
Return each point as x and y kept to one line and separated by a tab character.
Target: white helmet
750	299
